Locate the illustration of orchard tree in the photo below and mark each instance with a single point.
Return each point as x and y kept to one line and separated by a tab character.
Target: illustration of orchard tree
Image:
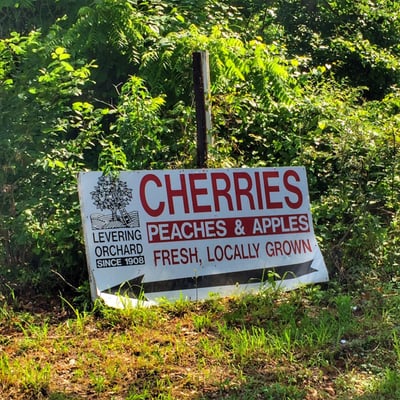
111	193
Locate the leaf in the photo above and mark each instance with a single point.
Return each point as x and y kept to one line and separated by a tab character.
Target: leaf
64	56
67	66
59	164
59	50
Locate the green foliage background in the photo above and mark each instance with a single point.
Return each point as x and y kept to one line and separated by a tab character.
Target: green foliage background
107	84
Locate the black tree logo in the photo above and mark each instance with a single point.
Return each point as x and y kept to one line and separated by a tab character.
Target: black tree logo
112	194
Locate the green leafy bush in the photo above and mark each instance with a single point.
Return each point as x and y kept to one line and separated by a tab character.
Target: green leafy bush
109	86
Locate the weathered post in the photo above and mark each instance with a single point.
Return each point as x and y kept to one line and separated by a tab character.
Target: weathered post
201	80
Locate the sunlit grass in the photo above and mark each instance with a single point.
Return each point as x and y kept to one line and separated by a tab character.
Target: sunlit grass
307	343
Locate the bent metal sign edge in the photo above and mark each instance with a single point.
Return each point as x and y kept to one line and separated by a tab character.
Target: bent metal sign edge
173	233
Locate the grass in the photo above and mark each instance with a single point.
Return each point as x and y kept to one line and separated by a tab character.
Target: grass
304	344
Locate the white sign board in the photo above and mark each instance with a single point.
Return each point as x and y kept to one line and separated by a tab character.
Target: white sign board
174	233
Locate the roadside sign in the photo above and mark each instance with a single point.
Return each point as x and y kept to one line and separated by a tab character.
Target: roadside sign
174	233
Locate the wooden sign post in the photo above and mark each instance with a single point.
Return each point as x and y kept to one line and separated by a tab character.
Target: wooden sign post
201	80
